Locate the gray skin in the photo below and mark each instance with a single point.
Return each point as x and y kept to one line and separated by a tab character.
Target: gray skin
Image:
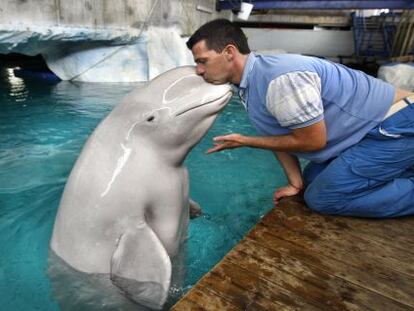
125	207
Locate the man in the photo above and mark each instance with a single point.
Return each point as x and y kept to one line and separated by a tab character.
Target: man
356	131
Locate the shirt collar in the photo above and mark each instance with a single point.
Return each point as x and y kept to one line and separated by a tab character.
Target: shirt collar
247	69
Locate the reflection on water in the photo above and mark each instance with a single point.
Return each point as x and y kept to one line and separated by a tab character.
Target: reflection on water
93	292
43	126
17	86
96	291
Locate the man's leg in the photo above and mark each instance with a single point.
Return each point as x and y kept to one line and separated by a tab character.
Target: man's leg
371	179
339	191
312	170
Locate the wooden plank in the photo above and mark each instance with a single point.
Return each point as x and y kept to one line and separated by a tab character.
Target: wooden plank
405	49
244	300
279	278
397	234
295	259
334	291
410	35
380	279
252	289
187	305
202	299
230	292
309	231
395	51
403	59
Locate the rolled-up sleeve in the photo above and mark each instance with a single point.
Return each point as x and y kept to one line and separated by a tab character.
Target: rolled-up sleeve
294	99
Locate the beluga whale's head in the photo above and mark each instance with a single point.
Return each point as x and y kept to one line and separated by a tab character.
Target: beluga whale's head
174	111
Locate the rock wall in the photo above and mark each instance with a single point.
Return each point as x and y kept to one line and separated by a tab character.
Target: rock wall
104	40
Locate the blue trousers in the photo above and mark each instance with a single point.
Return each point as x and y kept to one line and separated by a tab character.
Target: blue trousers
374	178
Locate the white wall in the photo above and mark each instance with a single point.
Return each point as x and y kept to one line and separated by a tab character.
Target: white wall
326	43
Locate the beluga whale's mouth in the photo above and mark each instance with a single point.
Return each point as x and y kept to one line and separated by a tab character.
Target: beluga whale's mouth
220	100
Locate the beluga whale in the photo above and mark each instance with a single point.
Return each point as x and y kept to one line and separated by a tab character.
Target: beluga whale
125	207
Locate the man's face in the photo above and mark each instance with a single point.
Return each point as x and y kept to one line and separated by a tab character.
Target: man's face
212	66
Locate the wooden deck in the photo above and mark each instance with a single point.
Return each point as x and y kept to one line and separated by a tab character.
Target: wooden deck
295	259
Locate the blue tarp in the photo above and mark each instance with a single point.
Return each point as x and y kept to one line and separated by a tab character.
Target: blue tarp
315	4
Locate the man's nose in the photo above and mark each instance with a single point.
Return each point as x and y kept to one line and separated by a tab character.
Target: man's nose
200	70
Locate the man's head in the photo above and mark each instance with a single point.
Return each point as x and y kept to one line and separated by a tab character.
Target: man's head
219	48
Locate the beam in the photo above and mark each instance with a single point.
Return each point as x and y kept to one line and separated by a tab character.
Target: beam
315	4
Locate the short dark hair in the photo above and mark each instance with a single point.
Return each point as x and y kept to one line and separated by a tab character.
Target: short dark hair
218	33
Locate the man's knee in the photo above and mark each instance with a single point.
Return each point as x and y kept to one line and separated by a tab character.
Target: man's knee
321	201
332	189
311	198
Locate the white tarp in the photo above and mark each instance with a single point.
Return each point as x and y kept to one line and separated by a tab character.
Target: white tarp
400	75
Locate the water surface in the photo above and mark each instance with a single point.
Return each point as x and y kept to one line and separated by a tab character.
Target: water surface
43	127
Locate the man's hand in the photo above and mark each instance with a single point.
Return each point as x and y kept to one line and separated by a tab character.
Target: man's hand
286	191
309	138
227	142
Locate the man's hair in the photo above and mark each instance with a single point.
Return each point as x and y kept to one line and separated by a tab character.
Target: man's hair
218	34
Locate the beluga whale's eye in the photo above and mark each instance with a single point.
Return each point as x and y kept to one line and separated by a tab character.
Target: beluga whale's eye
150	118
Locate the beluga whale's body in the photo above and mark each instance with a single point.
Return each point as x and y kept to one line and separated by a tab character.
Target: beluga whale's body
125	207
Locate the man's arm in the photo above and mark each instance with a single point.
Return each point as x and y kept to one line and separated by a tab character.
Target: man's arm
293	173
309	138
291	167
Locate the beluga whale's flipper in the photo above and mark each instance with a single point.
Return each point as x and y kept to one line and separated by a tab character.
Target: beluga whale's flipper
141	267
195	209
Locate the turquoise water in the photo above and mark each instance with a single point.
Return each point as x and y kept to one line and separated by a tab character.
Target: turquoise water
43	127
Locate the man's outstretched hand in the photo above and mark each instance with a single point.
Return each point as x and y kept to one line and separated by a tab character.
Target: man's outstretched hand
227	142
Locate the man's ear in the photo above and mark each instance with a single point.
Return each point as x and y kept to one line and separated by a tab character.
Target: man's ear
230	52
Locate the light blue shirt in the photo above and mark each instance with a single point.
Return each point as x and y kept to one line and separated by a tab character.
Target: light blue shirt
288	91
